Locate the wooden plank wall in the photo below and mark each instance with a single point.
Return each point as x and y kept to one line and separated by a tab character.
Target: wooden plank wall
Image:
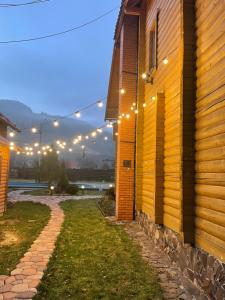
4	165
210	127
166	79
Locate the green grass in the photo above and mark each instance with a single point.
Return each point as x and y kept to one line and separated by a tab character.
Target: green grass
37	192
19	227
95	260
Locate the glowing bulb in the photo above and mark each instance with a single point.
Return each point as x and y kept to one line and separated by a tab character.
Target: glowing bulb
120	117
56	123
106	138
43	148
50	150
134	104
100	104
99	130
70	150
11	147
64	143
119	122
31	153
79	137
132	108
11	134
165	61
39	152
77	114
57	142
18	152
36	145
11	144
136	111
144	104
45	153
86	137
82	147
153	98
109	125
127	116
58	152
144	76
93	134
26	148
122	91
116	134
75	141
34	130
31	149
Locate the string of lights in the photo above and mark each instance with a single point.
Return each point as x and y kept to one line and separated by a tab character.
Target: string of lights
3	5
61	32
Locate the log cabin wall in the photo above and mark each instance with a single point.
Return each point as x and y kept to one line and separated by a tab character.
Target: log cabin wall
4	166
167	80
210	128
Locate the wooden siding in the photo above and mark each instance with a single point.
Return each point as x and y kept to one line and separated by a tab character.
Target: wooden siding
210	128
4	165
167	79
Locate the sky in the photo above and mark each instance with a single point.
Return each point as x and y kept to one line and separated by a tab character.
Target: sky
61	74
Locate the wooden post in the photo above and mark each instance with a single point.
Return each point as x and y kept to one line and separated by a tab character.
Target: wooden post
188	90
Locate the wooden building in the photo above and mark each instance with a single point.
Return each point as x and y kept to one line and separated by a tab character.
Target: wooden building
4	160
167	100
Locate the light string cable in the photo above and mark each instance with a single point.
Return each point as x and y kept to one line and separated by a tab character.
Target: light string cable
62	32
6	5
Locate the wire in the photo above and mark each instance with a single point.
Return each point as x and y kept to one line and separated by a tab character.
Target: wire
3	5
62	32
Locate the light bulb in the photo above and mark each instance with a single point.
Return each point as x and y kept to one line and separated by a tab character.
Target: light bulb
165	61
57	142
82	147
106	138
116	134
58	152
34	130
70	150
100	104
144	104
77	114
79	137
11	144
132	108
11	134
36	144
153	98
55	123
136	111
86	137
122	91
11	148
93	134
119	122
127	116
18	153
144	76
99	130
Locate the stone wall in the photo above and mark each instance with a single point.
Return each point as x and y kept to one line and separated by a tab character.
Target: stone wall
198	267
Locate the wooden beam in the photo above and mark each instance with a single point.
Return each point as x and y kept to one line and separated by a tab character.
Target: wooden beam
134	11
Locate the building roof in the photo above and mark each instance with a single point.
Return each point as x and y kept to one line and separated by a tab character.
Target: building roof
8	123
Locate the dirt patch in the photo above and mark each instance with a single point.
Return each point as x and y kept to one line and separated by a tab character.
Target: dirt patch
8	222
8	238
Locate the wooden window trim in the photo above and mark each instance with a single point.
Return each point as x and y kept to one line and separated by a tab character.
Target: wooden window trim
154	29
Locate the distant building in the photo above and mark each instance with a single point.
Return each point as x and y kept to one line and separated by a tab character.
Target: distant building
167	96
4	160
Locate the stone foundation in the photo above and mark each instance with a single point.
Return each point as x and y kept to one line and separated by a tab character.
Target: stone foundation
202	269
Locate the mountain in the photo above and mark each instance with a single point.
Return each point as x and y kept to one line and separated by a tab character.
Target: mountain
23	116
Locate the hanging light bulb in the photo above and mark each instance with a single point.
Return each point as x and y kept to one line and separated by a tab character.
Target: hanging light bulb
11	134
44	153
144	105
79	137
94	134
109	125
136	111
34	130
132	108
70	150
56	123
153	98
86	137
77	114
127	116
122	91
50	150
36	145
75	141
116	134
26	148
106	138
11	144
39	152
82	147
165	60
31	153
11	148
100	104
99	130
18	152
118	121
58	142
134	104
58	152
43	148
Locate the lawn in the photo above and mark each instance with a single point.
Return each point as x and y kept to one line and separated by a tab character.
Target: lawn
95	260
45	192
19	227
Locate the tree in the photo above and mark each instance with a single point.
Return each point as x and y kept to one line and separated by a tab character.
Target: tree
50	167
63	182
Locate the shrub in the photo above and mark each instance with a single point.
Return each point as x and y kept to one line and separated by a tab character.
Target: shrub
110	193
72	190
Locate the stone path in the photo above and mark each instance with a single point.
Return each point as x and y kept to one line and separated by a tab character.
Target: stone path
174	285
23	281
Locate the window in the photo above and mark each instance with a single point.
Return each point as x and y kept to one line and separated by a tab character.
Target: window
153	43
